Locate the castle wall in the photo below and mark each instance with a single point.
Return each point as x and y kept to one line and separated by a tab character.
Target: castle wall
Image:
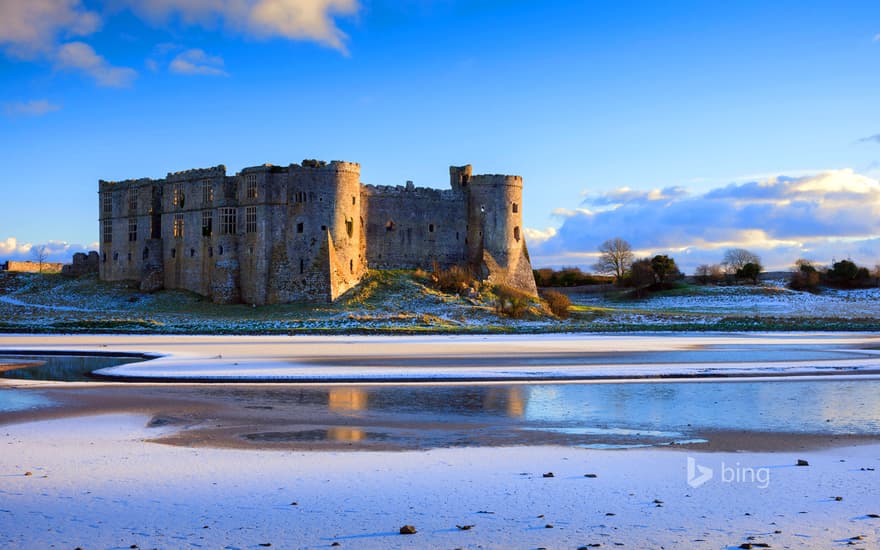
413	227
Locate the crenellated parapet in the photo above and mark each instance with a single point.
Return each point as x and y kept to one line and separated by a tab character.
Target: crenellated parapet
197	173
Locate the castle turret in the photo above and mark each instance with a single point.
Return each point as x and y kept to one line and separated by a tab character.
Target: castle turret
496	245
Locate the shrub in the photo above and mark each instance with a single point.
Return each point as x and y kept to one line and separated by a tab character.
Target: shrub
846	274
558	303
511	302
565	277
805	277
749	271
706	274
455	279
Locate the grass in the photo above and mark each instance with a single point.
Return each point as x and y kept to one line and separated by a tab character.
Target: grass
388	302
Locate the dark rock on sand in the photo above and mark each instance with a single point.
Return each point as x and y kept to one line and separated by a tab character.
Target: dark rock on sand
548	474
590	475
465	527
408	530
802	462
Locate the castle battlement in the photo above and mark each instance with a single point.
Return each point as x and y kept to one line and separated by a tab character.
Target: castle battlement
309	231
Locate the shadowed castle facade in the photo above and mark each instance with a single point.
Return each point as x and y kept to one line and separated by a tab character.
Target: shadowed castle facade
273	234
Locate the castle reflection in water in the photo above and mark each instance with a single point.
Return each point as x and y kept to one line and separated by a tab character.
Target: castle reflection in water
508	401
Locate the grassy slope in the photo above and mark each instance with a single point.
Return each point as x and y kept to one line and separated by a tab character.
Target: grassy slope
391	302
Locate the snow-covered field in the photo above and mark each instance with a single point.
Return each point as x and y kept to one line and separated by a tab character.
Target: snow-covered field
119	490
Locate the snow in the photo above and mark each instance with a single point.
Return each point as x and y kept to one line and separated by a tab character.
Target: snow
468	358
98	483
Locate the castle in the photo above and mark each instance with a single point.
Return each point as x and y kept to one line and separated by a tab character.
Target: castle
275	234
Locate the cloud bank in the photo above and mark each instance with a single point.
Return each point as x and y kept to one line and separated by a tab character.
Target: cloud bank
59	251
829	215
312	20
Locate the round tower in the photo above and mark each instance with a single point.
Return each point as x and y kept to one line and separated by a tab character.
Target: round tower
496	244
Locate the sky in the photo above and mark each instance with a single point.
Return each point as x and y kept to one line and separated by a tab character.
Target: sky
685	127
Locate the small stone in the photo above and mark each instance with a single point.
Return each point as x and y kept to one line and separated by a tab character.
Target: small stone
874	516
838	499
408	530
335	544
548	526
267	544
777	532
548	474
802	462
133	546
294	503
658	501
746	545
857	537
27	474
206	526
465	527
591	475
610	514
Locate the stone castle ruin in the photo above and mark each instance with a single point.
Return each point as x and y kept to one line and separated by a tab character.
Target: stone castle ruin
273	234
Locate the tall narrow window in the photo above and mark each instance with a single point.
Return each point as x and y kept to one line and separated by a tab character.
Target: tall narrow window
132	199
228	221
178	226
207	223
107	203
516	233
300	227
177	198
107	231
207	192
515	208
250	182
302	266
132	229
250	219
430	228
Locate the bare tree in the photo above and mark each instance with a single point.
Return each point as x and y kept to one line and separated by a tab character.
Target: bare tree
615	258
40	254
737	258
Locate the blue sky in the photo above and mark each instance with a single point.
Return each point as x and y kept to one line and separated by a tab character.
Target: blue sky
600	106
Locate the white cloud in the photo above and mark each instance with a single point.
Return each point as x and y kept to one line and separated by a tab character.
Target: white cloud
538	236
30	28
58	251
197	62
34	107
292	19
832	214
80	56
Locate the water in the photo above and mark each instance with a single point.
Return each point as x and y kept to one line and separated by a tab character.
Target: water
69	368
12	400
606	415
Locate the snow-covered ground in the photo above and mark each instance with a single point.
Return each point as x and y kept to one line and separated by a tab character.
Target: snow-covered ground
772	298
97	482
463	358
